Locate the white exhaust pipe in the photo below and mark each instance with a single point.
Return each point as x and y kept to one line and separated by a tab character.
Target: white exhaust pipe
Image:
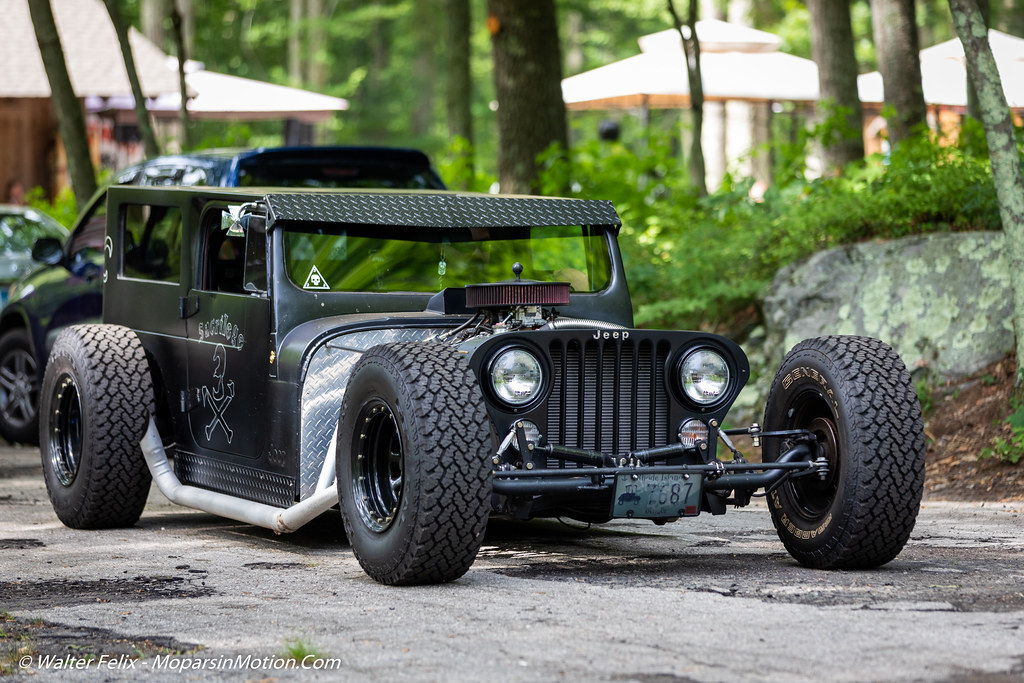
278	520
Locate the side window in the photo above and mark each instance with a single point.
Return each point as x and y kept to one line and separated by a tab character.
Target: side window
151	242
235	254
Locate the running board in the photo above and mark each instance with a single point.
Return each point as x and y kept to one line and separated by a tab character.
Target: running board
278	520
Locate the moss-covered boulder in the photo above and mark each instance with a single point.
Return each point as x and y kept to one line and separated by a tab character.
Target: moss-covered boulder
943	301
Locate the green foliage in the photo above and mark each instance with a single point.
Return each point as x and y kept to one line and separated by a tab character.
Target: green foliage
63	207
459	169
925	396
700	262
1012	449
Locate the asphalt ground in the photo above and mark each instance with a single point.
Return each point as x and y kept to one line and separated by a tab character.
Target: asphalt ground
187	596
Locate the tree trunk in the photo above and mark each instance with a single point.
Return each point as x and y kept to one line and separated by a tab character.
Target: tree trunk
70	119
691	52
973	106
894	25
832	49
460	89
179	47
152	14
295	18
1002	146
188	23
528	82
317	18
141	113
424	68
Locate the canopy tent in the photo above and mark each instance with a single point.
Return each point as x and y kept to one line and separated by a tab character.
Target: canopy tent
659	80
944	76
221	96
224	97
737	63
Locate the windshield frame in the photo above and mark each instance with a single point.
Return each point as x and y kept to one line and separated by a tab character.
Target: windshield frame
454	257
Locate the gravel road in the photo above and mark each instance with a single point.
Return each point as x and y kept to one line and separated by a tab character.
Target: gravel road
187	596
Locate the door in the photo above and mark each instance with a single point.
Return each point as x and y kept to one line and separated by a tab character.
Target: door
229	331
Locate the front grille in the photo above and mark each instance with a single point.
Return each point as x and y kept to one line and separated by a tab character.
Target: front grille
608	395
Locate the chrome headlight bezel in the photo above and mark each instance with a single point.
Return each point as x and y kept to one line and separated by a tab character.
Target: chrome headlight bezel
704	376
535	377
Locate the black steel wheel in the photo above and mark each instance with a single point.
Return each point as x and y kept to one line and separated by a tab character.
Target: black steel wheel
97	396
414	464
19	388
855	395
379	466
65	443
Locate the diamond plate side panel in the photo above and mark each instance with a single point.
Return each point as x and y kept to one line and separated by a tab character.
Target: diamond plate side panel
324	389
235	480
441	210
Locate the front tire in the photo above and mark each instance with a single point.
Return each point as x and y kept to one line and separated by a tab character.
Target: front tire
97	396
414	464
855	395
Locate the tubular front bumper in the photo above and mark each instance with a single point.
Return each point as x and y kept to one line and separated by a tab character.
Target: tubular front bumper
606	472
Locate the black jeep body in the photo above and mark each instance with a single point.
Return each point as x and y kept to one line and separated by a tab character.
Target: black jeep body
66	286
426	360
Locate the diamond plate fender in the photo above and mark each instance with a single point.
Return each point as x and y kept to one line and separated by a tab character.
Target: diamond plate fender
323	389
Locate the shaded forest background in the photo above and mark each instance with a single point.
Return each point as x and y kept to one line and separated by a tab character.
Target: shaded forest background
390	59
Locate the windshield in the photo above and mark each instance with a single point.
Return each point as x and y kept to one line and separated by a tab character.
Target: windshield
387	259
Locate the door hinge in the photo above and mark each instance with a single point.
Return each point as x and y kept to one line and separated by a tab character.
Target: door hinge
188	306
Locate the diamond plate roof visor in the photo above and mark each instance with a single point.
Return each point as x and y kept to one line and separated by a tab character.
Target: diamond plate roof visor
440	210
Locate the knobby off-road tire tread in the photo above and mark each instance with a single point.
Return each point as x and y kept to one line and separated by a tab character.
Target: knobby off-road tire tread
451	424
116	392
887	438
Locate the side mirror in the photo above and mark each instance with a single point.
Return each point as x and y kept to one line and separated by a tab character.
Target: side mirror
48	250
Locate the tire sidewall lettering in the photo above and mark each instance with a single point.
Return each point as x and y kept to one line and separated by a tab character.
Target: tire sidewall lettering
815	377
810	374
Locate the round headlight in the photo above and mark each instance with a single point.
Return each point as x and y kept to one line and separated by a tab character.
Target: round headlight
704	376
516	376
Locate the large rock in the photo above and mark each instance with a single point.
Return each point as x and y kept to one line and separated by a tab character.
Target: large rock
943	301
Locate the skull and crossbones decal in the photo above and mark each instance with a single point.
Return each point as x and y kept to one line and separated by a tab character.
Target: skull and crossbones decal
220	397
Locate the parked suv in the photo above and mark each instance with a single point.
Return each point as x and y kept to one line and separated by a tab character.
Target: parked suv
425	360
68	288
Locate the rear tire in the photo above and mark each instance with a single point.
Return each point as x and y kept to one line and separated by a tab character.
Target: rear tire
19	388
97	396
855	394
414	464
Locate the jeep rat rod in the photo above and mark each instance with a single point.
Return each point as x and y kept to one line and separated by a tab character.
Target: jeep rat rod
427	360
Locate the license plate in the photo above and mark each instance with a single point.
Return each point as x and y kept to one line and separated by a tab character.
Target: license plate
648	496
